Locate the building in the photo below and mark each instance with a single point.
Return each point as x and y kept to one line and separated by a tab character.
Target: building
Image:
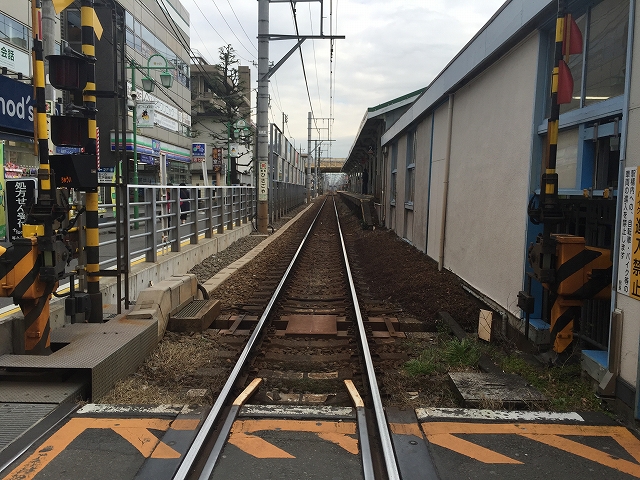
212	125
461	165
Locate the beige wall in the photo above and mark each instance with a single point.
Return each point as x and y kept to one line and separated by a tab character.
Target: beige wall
421	196
437	180
489	177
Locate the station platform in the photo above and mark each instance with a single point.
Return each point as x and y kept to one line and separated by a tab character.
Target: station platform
364	204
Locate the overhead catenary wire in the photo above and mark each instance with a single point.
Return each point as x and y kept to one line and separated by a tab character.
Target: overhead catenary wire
315	62
240	23
304	71
231	29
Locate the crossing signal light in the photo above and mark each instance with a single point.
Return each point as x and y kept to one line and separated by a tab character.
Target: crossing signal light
69	72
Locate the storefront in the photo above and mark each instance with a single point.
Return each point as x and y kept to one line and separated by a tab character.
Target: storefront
149	151
17	154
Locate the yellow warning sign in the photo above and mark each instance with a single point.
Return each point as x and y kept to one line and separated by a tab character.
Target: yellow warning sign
134	430
447	434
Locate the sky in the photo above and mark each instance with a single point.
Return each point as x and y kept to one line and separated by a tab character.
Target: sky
391	48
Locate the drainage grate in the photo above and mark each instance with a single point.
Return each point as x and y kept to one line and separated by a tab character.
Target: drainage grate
191	309
17	418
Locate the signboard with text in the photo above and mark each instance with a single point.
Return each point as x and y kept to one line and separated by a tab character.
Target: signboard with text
21	193
263	182
628	282
198	152
145	115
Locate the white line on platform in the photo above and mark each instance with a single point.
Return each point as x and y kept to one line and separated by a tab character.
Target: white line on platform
430	413
93	408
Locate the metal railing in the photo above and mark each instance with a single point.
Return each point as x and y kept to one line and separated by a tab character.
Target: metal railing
170	217
283	198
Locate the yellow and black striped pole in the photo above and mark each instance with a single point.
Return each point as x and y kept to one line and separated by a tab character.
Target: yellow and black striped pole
87	16
549	186
22	261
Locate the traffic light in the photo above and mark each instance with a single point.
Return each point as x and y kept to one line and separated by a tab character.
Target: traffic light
80	170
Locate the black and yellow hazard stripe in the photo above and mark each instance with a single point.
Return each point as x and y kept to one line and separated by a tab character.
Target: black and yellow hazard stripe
586	275
19	268
87	16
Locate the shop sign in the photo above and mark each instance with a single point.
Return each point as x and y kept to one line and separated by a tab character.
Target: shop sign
14	59
629	251
233	150
106	175
198	152
16	105
21	193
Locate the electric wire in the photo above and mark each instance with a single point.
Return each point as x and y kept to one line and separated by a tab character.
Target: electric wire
232	31
251	41
315	62
304	71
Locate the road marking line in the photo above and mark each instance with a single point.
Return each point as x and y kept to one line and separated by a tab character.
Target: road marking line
587	452
469	449
334	432
442	433
406	429
134	430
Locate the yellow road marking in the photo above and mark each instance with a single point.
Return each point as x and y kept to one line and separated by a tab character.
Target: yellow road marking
442	433
256	446
134	430
406	429
334	432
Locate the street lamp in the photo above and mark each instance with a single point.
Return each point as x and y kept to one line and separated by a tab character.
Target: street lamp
148	84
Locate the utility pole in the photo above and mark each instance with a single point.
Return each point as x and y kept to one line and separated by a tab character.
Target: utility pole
262	118
309	161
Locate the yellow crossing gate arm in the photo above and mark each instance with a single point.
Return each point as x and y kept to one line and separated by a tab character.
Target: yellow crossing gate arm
60	5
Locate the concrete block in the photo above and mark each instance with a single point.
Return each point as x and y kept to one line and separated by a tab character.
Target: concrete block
144	314
6	337
197	322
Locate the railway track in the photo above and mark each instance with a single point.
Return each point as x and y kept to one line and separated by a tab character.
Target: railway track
308	347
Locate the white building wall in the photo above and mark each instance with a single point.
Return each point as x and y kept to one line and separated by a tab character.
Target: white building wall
437	180
489	175
629	306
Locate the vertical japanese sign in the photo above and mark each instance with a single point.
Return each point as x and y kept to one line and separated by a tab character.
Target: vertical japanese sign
21	193
629	252
263	182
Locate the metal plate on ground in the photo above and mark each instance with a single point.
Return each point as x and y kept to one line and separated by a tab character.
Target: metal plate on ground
311	324
17	418
485	389
27	392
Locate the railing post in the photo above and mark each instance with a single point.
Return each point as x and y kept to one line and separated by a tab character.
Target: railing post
152	231
175	230
209	192
229	205
219	196
127	229
193	208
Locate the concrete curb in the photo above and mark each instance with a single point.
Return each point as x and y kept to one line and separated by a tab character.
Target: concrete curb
162	299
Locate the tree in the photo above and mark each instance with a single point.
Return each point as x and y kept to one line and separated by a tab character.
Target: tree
233	106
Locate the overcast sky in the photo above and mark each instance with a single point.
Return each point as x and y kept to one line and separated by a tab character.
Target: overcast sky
391	48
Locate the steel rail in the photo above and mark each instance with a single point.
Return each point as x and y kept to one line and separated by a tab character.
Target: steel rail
385	438
214	414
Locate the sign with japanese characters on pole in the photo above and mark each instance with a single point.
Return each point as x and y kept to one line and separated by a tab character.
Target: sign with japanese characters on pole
263	182
629	253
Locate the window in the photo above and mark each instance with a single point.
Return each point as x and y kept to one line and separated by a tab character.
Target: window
601	77
394	171
14	32
607	50
410	179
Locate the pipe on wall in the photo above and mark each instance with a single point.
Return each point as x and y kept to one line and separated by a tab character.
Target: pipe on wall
445	194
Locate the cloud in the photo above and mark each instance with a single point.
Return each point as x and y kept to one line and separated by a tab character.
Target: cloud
391	48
